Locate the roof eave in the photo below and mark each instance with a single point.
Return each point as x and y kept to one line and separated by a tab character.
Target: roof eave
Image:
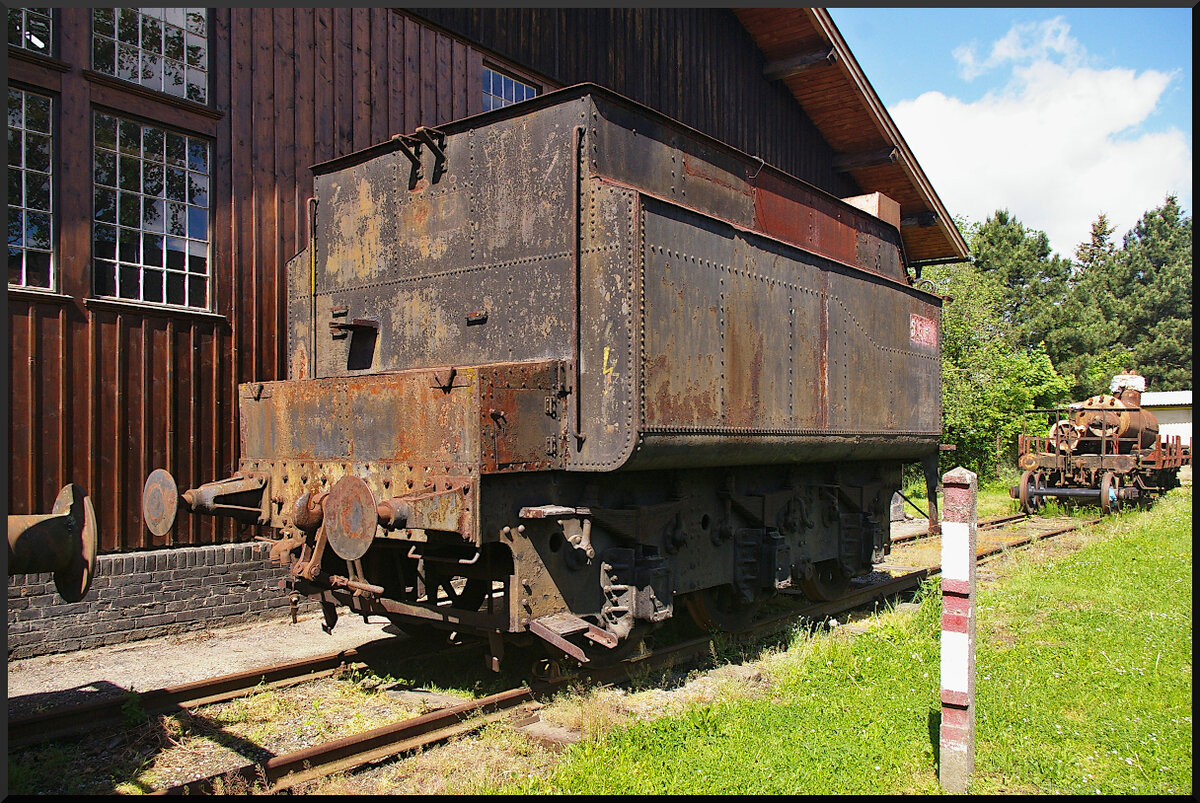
909	162
785	36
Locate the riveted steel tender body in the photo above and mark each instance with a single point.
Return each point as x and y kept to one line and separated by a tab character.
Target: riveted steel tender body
566	368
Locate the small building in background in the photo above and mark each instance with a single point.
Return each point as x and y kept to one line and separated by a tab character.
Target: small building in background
1173	409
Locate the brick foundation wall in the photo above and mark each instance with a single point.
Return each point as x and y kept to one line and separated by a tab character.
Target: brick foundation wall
143	595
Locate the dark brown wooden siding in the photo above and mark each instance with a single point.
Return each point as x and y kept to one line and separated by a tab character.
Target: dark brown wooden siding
103	392
698	65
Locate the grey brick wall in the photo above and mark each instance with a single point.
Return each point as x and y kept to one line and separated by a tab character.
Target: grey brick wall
148	594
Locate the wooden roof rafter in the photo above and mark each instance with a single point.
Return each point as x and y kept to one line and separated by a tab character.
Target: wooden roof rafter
804	49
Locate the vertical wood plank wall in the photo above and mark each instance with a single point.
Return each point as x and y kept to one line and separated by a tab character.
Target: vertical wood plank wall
101	393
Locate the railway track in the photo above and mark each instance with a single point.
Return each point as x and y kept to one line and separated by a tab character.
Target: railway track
983	524
283	772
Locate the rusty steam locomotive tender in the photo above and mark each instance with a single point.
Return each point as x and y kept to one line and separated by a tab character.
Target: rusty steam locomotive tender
565	369
1105	450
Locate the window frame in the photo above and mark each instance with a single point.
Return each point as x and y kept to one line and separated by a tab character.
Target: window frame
514	75
50	51
115	298
159	90
53	174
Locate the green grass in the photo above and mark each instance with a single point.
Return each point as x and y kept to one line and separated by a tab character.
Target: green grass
993	497
1083	686
1085	680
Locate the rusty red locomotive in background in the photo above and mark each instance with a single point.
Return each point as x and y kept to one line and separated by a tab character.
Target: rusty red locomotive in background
565	369
1105	450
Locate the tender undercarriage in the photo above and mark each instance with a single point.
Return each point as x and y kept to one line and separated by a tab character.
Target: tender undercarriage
589	564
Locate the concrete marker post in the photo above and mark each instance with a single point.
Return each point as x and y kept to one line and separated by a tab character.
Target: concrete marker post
956	741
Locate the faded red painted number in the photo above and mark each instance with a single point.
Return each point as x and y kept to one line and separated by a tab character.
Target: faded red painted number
922	331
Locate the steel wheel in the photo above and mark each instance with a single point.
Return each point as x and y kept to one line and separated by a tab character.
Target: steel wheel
722	609
827	583
1031	503
1110	488
1065	436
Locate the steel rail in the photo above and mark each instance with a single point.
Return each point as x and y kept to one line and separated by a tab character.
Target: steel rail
985	524
286	771
98	714
72	720
910	580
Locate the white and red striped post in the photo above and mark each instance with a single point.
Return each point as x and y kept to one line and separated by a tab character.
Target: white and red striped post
959	531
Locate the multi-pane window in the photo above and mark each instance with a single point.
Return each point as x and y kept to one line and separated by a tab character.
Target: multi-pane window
30	190
165	49
151	210
30	28
501	90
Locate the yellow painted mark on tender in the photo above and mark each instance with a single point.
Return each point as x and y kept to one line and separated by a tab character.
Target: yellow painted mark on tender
608	369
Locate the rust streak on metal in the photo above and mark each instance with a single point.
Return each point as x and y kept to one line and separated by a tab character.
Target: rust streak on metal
822	378
810	242
702	169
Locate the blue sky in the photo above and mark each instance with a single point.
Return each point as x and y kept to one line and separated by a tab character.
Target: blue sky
1055	114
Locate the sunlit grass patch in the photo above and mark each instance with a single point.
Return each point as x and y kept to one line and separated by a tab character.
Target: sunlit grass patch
1083	682
1089	690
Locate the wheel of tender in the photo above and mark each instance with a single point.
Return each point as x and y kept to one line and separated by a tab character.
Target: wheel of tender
722	609
828	582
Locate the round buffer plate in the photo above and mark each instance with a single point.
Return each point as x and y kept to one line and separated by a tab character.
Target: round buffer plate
74	579
350	518
160	502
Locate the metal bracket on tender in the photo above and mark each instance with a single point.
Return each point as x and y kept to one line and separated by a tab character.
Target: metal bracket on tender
762	562
410	146
218	498
161	498
578	533
554	628
552	511
436	140
637	585
342	328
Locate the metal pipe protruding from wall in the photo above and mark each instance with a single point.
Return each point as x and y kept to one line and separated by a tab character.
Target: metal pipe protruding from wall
63	542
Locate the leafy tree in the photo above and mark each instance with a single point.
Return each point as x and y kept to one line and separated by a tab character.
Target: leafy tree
1035	281
1079	339
1156	260
989	377
1028	329
1113	310
1130	307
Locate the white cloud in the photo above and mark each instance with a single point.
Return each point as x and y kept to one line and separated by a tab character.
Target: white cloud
1033	41
1059	144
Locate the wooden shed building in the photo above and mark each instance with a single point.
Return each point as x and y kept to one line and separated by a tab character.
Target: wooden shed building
158	180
